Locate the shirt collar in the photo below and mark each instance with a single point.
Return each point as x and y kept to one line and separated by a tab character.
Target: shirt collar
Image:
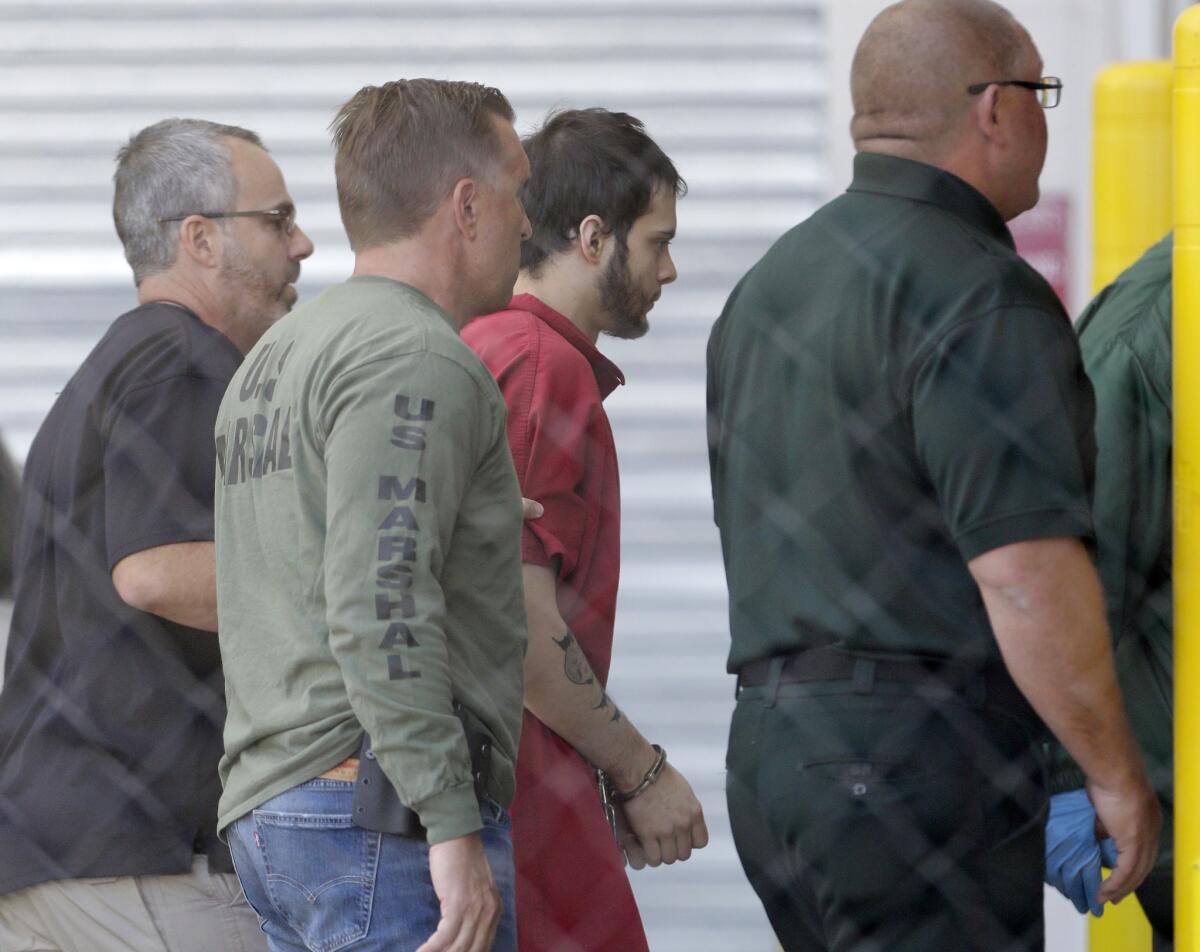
608	374
406	288
904	178
205	328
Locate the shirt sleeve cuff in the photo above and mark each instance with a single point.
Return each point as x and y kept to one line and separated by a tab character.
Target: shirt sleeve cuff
533	552
540	545
1025	527
172	536
451	813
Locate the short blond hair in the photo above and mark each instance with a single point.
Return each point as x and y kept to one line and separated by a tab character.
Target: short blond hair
400	147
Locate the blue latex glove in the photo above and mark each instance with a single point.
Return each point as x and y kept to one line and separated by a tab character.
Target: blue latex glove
1072	853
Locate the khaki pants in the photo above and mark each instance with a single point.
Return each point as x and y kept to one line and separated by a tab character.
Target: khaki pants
200	912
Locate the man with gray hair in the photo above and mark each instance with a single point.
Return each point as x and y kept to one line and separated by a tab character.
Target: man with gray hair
902	462
112	706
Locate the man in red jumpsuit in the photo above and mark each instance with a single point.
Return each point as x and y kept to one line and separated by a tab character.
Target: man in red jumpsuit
601	199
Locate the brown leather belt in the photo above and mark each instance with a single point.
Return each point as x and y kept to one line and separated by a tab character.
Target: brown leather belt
346	770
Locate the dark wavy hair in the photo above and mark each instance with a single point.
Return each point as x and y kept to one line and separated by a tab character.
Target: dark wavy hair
589	162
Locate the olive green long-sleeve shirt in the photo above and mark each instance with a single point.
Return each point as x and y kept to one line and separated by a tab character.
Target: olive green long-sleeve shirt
368	556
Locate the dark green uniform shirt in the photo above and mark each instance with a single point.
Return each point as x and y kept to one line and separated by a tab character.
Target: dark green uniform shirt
892	392
1125	335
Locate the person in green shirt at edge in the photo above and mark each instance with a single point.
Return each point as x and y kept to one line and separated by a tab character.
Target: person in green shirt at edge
900	433
368	553
1125	336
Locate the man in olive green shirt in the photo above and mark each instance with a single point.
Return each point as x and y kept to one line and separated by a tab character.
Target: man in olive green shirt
900	438
1125	336
368	553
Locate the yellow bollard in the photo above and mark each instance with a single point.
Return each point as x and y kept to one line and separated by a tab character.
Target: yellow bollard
1186	374
1131	166
1131	210
1124	928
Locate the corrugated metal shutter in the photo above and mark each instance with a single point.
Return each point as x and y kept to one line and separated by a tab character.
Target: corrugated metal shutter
734	92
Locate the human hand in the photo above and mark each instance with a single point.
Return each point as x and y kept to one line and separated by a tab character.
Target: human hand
1072	853
470	903
665	821
627	840
1133	819
1108	853
531	509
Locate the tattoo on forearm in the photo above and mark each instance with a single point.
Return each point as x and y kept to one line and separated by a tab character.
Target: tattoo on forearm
578	671
575	664
605	703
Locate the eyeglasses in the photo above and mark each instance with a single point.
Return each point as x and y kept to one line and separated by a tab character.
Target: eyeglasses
1049	88
282	218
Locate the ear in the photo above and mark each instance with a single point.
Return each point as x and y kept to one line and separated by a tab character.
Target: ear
593	236
465	199
987	114
200	239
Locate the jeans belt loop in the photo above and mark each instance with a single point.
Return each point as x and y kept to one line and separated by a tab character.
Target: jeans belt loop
773	676
863	679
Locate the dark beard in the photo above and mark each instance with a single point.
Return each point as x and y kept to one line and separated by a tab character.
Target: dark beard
621	299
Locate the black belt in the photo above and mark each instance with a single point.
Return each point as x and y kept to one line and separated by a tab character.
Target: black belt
836	664
983	684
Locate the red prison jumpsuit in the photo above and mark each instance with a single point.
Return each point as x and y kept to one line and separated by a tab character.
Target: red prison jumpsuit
572	891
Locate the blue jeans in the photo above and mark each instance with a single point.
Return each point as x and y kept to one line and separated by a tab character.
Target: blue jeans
319	883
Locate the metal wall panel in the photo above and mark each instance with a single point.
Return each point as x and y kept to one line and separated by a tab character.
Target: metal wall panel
735	92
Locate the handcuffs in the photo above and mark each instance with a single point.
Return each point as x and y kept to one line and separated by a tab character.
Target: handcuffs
611	797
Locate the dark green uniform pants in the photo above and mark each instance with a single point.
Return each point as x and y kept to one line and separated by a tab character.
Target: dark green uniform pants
889	819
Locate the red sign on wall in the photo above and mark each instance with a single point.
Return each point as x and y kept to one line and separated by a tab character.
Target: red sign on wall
1042	239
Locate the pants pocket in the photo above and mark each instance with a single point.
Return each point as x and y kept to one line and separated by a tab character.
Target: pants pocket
320	875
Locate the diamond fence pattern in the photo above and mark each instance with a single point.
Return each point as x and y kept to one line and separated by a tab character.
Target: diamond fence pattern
733	92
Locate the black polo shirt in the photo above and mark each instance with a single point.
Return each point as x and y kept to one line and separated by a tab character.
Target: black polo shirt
892	392
110	719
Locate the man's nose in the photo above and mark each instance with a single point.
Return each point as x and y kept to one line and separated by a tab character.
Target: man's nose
668	273
301	245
